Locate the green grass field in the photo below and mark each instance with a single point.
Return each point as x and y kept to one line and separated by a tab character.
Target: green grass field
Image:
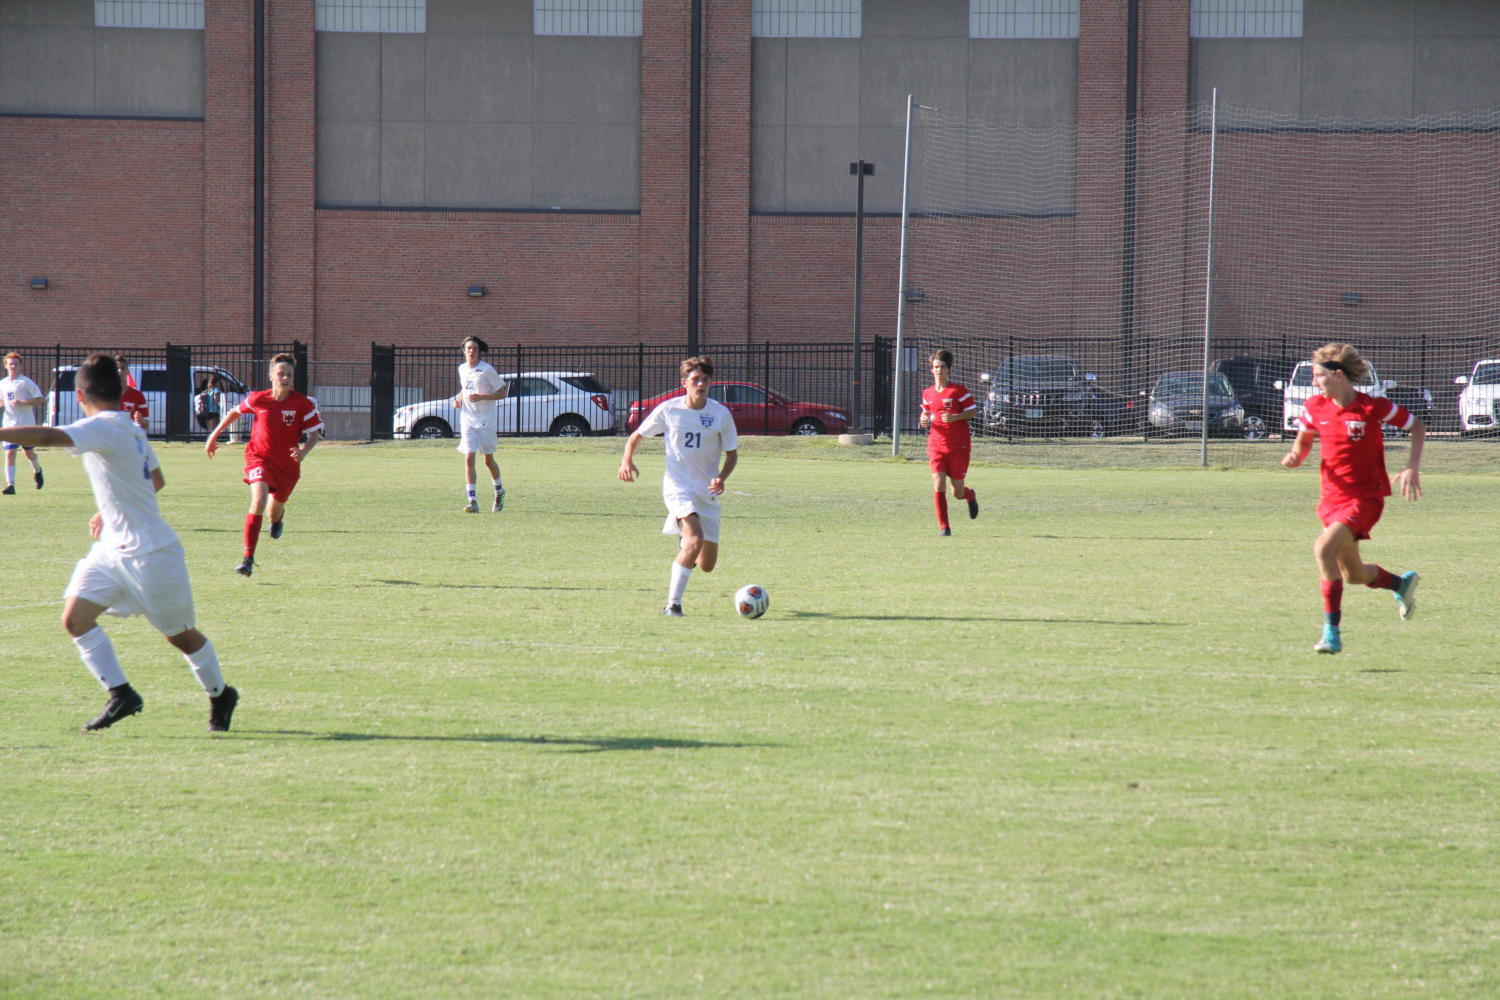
1080	749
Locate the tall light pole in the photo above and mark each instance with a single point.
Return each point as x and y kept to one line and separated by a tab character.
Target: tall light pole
861	170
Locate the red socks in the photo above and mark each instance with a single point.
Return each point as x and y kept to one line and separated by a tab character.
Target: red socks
1384	580
252	533
1333	599
940	501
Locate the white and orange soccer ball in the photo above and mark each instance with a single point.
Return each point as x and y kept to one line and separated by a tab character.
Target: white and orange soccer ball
751	600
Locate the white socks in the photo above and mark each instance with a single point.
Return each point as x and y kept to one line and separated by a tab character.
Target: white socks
98	654
205	664
678	586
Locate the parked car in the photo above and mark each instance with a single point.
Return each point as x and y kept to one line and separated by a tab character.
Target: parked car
1416	399
757	410
151	379
1049	396
1477	399
563	404
1177	405
1253	381
1299	388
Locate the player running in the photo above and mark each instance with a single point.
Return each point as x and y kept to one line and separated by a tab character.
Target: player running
947	409
480	390
1355	485
274	456
133	400
698	430
136	564
23	403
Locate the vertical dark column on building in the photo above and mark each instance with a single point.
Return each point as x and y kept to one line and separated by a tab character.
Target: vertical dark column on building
258	318
695	175
1128	237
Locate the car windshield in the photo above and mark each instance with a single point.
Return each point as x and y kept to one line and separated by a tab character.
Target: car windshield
1191	384
1042	369
1486	373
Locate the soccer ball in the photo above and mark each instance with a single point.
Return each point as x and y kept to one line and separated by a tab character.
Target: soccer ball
751	600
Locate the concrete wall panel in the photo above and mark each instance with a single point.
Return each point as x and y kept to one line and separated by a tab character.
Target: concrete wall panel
56	13
1033	80
472	165
1457	73
768	58
915	18
592	81
822	81
1464	18
1358	18
768	168
402	163
403	74
1261	73
586	166
148	71
348	76
934	71
348	163
817	168
1357	76
466	17
478	78
47	69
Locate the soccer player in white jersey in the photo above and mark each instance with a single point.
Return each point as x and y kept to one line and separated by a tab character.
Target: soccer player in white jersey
136	565
23	404
698	431
479	395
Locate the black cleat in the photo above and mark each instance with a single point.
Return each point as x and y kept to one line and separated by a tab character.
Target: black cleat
277	527
246	566
221	710
123	701
945	532
9	491
38	478
973	505
673	611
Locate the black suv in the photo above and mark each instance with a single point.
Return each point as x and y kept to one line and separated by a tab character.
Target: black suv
1254	384
1046	395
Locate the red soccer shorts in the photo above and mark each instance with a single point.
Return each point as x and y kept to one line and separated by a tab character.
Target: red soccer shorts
282	479
1358	514
953	464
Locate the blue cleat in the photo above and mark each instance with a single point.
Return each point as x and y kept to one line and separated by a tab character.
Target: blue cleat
1406	594
1330	643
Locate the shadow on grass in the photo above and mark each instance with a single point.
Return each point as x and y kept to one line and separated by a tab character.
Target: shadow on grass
973	618
578	744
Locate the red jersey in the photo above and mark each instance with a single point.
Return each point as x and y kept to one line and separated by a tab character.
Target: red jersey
133	402
279	424
1352	446
942	438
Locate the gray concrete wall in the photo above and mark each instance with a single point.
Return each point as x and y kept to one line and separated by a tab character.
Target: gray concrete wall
478	113
818	104
1368	58
54	61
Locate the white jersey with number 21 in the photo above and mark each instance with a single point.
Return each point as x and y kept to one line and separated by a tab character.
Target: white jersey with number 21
695	441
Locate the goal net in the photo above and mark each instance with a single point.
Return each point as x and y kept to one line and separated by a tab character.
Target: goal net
1132	293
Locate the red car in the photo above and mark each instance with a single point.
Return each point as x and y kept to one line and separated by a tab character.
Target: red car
757	410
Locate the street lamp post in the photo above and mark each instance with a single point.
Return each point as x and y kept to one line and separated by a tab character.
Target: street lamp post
861	170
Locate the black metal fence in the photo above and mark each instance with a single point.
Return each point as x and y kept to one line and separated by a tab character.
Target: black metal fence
823	375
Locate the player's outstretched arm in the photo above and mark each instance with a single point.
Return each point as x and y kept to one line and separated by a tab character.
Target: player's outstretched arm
1300	448
716	485
212	444
628	471
1409	479
36	436
300	453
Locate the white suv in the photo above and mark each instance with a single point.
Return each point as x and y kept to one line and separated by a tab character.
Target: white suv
1299	389
565	404
1476	403
151	379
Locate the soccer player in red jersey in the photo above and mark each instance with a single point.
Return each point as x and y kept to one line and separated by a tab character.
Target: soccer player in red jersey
274	456
134	401
1355	485
947	409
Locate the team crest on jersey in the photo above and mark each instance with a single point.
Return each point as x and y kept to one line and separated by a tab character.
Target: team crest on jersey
705	420
1356	429
288	417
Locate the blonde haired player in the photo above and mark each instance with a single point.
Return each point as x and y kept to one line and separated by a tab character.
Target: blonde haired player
698	431
1354	482
23	401
136	565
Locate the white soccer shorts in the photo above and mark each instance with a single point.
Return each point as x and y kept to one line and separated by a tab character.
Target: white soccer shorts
681	503
154	584
476	440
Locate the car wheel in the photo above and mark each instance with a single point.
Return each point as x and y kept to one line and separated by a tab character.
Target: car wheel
1254	429
431	427
806	427
569	426
1097	429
